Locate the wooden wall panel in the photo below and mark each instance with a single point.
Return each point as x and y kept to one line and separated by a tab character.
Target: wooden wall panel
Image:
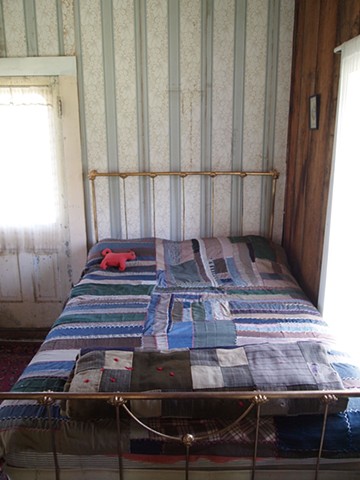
307	79
320	26
320	143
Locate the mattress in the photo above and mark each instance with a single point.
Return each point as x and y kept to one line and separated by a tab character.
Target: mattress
199	295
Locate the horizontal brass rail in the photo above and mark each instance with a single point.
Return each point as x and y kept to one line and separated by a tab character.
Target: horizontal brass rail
94	174
230	395
271	173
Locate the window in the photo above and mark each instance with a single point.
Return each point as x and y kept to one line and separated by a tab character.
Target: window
341	262
42	221
30	175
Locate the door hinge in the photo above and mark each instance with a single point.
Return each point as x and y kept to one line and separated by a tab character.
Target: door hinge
60	107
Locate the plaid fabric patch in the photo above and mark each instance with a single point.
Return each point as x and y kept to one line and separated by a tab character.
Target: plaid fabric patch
295	366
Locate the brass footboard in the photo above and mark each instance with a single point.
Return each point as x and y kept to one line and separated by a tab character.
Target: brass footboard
119	401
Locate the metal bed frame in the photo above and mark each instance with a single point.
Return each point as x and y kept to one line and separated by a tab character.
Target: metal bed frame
119	401
182	175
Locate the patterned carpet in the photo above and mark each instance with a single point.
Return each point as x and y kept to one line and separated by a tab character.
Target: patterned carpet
14	356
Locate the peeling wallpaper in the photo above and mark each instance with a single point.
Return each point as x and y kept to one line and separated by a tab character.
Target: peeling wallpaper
169	85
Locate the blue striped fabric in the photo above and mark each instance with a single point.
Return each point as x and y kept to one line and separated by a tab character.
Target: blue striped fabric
200	293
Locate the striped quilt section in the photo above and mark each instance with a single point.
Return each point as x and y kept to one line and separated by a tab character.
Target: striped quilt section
199	293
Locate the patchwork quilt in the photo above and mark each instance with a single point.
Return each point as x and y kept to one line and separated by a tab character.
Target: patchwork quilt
293	366
199	299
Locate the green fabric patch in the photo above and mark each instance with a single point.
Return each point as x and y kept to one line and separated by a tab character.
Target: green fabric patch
102	318
40	384
197	312
125	289
262	248
177	312
236	239
159	371
186	272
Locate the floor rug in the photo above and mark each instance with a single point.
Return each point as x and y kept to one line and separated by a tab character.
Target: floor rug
14	357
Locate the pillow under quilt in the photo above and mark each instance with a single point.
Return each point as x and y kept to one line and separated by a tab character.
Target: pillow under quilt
301	365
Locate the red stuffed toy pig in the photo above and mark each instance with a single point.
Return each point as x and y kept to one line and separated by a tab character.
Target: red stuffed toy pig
113	259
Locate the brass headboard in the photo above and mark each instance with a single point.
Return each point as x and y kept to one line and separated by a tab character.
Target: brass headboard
94	174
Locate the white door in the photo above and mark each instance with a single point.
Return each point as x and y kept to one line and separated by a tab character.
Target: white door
42	224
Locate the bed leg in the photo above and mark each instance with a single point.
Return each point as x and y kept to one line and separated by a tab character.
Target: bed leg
327	399
118	442
253	471
258	400
47	401
118	402
187	440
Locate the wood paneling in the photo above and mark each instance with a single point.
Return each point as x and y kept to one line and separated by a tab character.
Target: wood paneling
320	26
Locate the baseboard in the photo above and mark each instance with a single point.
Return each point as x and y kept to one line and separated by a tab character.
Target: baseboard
23	333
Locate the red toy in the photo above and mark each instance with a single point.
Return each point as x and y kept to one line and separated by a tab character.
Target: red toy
112	259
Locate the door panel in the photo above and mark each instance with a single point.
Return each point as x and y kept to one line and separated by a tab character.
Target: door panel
10	281
30	289
34	284
46	277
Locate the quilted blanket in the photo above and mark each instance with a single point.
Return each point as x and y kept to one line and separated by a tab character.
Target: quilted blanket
201	294
223	292
293	366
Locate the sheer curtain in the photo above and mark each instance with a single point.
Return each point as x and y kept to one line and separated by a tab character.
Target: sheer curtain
30	212
341	263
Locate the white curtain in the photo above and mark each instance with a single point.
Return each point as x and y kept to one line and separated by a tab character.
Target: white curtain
341	264
30	212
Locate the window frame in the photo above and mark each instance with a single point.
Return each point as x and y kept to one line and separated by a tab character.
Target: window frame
65	68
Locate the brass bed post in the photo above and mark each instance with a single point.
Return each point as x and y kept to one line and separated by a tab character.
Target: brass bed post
241	219
258	401
212	202
275	176
118	441
183	204
125	207
117	403
327	399
187	440
47	401
153	204
92	176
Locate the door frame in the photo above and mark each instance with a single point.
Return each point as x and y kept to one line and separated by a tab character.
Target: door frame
64	68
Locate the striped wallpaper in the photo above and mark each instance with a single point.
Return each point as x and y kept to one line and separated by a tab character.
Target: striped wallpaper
170	85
